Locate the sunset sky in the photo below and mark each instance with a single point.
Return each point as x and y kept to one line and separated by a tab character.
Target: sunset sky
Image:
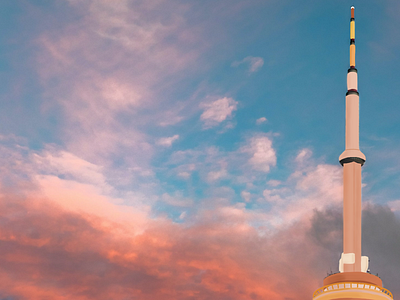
174	149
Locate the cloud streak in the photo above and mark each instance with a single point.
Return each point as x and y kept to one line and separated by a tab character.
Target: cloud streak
103	70
261	120
254	63
167	141
217	111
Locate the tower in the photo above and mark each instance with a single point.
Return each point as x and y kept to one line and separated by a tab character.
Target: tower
353	281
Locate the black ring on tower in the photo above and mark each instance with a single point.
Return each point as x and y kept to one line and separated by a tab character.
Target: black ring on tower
352	92
351	159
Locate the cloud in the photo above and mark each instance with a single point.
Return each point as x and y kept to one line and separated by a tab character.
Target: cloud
185	170
261	120
177	200
313	187
381	236
216	175
170	117
304	155
309	185
100	71
65	237
272	196
254	63
53	253
327	231
63	163
73	184
246	196
263	156
217	111
89	199
274	182
167	141
394	205
381	243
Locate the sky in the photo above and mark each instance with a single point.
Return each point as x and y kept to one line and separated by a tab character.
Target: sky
172	149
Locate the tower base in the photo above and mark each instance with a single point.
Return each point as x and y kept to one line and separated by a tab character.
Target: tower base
352	285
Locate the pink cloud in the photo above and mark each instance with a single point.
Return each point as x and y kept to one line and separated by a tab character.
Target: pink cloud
67	164
167	141
177	200
88	199
216	175
57	253
303	155
310	186
255	63
274	182
217	111
261	120
263	154
64	239
104	71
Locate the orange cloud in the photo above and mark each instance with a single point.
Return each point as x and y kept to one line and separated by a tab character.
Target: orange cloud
50	251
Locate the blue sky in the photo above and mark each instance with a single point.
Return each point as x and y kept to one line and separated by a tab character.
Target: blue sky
182	114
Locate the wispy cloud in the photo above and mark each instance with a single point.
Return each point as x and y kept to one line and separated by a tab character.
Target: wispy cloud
217	111
311	185
274	182
303	155
68	165
254	63
102	70
177	199
261	120
167	141
246	195
263	155
216	175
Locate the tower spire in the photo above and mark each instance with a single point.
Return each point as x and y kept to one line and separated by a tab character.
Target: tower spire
352	151
352	40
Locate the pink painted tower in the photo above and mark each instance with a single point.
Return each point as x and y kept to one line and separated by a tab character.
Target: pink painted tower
353	280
